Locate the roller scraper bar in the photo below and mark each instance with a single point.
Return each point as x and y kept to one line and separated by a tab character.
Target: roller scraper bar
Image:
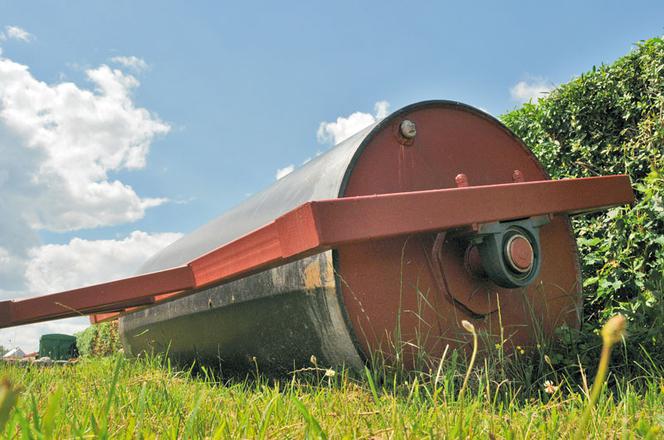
321	225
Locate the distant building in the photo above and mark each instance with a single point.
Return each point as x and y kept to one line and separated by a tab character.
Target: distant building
14	353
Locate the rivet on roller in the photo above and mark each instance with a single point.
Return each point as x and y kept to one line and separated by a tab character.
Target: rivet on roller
408	129
517	177
461	180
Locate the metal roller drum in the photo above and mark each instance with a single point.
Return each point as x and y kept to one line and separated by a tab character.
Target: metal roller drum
343	304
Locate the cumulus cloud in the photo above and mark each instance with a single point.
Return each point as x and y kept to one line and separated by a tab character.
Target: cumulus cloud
283	172
345	127
59	146
531	90
60	142
16	33
135	63
58	267
381	109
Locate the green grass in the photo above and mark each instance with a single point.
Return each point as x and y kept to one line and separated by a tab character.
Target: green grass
120	398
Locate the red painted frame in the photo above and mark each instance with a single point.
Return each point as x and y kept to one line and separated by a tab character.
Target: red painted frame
320	225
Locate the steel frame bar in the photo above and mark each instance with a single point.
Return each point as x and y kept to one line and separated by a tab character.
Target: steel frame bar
111	296
321	225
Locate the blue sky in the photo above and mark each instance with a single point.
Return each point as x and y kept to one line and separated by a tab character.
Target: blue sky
227	93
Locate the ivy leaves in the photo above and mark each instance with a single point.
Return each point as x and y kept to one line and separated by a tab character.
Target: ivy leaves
610	120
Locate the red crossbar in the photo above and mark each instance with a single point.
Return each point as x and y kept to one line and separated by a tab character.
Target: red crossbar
321	225
111	296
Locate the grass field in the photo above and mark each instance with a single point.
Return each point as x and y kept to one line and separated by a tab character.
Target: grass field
114	397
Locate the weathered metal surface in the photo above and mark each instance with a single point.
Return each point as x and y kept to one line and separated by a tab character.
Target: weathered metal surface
274	320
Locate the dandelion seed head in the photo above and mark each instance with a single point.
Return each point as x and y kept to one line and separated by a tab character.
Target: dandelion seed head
614	329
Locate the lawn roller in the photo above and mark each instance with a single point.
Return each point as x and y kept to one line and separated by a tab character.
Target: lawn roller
383	244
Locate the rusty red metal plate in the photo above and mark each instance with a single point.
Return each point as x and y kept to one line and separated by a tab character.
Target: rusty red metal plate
406	293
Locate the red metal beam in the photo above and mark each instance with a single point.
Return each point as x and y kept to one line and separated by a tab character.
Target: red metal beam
129	306
320	225
96	318
111	296
365	218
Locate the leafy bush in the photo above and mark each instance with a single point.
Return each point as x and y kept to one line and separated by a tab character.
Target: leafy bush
608	121
99	340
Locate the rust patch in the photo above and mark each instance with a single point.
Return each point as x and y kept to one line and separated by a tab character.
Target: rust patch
312	279
315	278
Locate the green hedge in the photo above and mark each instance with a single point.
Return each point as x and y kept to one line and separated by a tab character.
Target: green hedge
611	120
99	340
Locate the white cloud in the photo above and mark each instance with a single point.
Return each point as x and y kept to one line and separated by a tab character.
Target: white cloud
131	62
58	267
27	336
341	129
59	144
345	127
283	172
531	90
16	33
382	109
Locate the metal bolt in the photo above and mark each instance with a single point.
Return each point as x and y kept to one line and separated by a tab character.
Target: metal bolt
408	129
461	180
519	253
517	177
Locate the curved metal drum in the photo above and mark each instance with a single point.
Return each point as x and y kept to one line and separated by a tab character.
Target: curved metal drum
344	304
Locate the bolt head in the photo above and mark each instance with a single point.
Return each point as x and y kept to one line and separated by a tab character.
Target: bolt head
519	253
408	129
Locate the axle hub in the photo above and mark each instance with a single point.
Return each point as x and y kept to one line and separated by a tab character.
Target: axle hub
510	251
